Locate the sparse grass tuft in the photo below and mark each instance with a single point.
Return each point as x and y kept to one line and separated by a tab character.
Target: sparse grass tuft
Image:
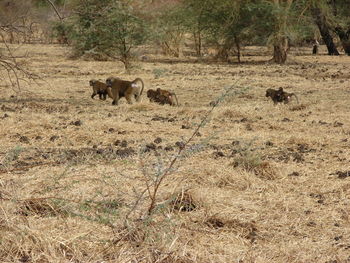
12	155
159	72
184	202
247	230
298	107
41	207
141	107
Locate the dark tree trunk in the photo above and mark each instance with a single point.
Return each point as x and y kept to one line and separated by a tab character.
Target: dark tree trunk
321	23
344	38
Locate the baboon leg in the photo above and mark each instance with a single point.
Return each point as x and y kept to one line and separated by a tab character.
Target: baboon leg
115	100
93	95
110	93
100	96
104	96
138	97
129	98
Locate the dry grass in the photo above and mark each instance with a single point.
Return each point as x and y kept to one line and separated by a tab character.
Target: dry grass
258	183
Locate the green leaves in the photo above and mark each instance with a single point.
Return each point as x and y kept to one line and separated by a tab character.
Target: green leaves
106	28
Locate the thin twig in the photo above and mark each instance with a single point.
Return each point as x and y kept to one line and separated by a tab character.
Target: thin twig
181	149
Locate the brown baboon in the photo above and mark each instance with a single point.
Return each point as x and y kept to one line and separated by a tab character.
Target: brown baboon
118	88
279	96
99	88
152	95
162	97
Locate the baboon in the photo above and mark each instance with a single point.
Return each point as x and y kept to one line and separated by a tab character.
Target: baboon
99	88
152	95
279	96
118	88
162	97
315	47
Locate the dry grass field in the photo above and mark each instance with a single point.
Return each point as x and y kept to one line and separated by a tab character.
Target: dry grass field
257	183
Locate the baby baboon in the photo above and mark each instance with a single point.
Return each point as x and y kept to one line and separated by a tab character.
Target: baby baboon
162	97
118	88
279	96
152	95
99	88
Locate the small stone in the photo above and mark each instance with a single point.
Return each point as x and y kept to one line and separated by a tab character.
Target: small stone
124	143
53	138
169	148
158	140
24	139
294	174
76	123
180	144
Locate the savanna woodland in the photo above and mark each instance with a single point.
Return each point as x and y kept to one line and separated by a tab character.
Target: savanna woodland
251	165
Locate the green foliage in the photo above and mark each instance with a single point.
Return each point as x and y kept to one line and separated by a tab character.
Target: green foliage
61	31
167	29
159	72
12	155
106	28
223	24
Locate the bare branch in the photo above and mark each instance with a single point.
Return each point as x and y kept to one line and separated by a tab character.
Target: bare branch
56	10
15	71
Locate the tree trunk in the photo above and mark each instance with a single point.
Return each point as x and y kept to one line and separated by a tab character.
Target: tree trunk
344	38
198	43
280	49
321	23
224	50
279	54
238	46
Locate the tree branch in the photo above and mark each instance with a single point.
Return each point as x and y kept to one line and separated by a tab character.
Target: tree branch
56	10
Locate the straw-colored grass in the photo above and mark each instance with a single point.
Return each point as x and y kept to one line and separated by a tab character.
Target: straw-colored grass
258	182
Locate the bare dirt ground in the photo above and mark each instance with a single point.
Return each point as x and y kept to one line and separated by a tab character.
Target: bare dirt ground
258	183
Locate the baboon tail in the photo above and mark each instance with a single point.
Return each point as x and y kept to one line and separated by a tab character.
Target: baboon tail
143	85
295	97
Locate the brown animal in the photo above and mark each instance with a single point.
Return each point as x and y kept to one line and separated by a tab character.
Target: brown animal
118	88
279	96
162	97
99	88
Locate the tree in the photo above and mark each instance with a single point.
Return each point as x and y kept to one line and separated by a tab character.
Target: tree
324	27
280	22
220	23
166	24
341	17
106	28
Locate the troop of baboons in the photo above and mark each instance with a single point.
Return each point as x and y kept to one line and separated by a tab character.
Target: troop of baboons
117	88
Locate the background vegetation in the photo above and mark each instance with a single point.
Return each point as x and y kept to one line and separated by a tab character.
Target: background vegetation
112	29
